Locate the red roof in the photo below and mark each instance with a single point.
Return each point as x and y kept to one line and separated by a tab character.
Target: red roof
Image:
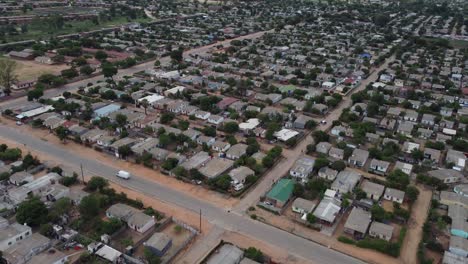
465	91
227	101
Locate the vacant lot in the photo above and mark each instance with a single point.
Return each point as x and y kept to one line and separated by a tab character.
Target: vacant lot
30	70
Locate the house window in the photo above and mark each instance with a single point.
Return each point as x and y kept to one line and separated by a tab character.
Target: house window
27	233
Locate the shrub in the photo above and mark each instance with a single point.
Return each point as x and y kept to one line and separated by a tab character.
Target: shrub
346	240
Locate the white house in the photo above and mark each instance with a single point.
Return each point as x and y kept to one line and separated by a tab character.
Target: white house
11	234
394	195
203	115
302	168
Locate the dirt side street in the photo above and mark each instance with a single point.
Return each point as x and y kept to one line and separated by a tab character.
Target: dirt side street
415	225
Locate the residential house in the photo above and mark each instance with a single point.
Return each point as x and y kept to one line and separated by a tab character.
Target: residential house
338	131
10	234
236	151
358	158
196	161
220	146
459	215
114	147
323	147
405	128
302	168
216	167
209	141
301	121
458	246
215	119
373	191
327	210
447	176
358	222
303	206
158	244
135	219
428	120
21	177
336	153
192	134
451	258
432	155
91	136
381	231
239	174
409	147
25	249
394	195
379	166
159	154
281	193
457	158
411	115
327	173
52	256
346	181
404	167
203	115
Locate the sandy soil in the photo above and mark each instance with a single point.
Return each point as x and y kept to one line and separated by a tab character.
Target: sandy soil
277	254
414	234
191	189
31	70
286	224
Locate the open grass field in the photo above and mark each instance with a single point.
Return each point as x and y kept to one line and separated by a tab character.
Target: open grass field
458	44
41	31
31	70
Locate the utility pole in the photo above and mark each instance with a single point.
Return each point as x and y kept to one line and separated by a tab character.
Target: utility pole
200	221
82	174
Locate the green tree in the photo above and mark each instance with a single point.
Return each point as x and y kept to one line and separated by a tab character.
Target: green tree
61	132
338	165
124	151
97	183
101	55
33	212
86	70
231	127
7	73
151	257
412	193
145	104
121	120
35	94
320	136
254	254
90	206
109	70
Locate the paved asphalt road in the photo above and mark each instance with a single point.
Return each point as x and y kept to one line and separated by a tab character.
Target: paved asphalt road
233	221
229	221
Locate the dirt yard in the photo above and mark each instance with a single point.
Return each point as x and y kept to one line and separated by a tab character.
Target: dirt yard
136	169
288	225
31	70
418	217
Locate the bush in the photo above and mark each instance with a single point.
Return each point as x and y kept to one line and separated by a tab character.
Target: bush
392	249
346	240
254	254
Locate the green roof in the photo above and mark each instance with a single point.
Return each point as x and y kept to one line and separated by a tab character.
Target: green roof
287	88
282	190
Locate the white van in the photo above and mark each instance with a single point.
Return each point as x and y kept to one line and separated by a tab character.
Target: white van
123	174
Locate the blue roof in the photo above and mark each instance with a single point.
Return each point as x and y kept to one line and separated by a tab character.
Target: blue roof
106	110
366	55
